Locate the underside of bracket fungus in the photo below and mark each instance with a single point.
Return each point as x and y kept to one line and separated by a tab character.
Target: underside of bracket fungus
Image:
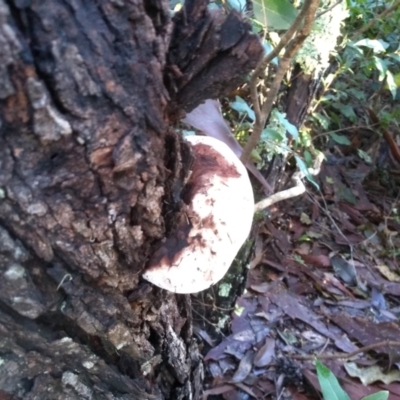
216	222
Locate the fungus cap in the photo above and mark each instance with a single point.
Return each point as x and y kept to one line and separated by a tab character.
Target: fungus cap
218	219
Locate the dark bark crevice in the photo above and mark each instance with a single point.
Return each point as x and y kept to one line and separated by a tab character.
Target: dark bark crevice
208	56
91	175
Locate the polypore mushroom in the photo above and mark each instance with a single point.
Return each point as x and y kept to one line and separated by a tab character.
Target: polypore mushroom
217	220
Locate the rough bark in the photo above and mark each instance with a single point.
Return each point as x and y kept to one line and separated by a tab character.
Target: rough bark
302	91
90	176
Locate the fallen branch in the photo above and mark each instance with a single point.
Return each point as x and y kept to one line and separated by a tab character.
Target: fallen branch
334	356
294	191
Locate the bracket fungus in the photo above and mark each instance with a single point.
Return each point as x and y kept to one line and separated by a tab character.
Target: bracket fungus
216	221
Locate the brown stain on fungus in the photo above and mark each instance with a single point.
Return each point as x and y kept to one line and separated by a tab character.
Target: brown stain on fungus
207	163
208	222
169	250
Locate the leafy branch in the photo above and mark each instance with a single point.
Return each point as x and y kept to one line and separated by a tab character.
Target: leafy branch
383	14
262	111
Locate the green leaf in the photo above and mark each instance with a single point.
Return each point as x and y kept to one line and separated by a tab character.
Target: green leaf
378	46
308	158
391	83
239	5
382	395
334	117
274	14
271	134
347	110
364	156
304	238
242	107
340	139
303	168
358	94
322	119
268	49
395	57
381	66
255	156
305	138
299	259
358	53
330	387
289	127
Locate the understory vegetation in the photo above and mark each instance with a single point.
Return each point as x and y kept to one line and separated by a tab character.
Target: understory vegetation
330	256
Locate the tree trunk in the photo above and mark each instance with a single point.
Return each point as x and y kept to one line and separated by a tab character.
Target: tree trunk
90	176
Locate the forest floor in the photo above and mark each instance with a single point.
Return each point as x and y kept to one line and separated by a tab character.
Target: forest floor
323	282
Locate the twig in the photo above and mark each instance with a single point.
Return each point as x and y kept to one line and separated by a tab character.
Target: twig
372	22
328	9
209	322
262	113
328	214
347	128
346	355
64	278
333	222
296	190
